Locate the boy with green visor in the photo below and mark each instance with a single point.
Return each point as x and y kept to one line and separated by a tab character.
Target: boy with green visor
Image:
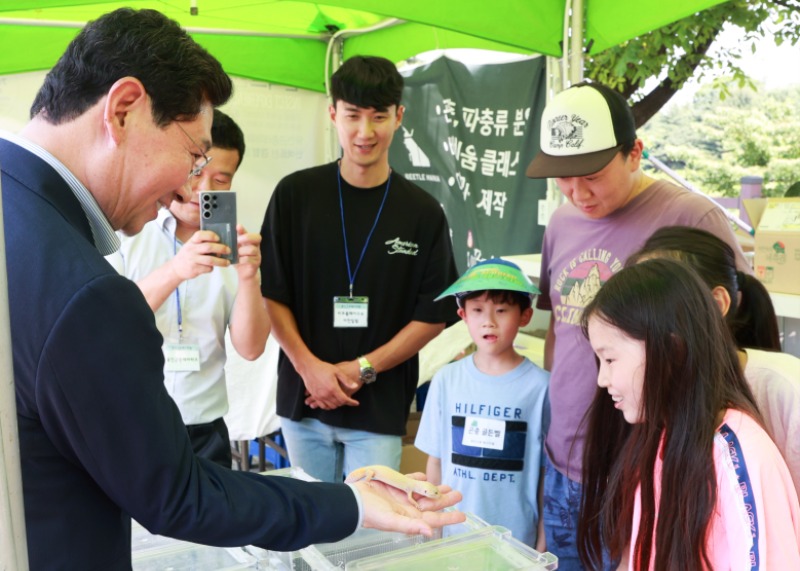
484	417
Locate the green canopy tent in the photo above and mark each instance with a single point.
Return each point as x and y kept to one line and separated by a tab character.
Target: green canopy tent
295	43
287	42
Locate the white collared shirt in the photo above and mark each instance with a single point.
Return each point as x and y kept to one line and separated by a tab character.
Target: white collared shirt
206	303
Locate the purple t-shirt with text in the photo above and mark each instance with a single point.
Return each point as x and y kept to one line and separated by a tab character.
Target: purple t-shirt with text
579	255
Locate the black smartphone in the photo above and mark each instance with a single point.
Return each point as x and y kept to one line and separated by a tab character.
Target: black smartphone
218	214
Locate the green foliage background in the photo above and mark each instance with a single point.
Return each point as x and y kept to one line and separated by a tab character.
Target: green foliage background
714	141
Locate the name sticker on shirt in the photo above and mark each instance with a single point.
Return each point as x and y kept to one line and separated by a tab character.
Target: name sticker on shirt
350	311
484	433
182	356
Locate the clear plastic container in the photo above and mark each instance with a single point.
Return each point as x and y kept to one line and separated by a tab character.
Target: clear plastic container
290	472
192	557
488	549
142	540
364	543
151	552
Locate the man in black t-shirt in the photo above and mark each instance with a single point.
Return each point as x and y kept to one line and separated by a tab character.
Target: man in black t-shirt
353	257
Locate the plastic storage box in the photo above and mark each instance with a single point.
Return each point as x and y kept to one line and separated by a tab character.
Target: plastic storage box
471	545
142	540
158	553
193	558
335	556
488	549
363	544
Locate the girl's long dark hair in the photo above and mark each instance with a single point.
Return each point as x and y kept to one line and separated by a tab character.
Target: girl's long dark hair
692	374
752	320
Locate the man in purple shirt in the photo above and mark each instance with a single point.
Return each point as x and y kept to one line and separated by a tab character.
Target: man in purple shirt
589	145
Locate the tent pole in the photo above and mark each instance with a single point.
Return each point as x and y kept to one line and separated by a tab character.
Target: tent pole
572	44
555	84
576	43
570	70
333	58
13	546
565	45
190	29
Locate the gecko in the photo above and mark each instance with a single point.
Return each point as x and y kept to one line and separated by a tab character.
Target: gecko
396	480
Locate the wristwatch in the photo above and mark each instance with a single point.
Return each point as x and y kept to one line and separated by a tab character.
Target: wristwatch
368	373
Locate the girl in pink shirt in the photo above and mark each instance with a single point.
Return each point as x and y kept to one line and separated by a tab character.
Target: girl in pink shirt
773	376
678	470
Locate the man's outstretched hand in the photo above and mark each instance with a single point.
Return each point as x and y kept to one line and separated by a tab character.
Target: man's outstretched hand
388	508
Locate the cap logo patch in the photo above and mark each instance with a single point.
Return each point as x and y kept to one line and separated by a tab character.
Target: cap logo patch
567	132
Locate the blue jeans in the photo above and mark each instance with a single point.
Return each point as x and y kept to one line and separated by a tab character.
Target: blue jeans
329	452
562	504
560	513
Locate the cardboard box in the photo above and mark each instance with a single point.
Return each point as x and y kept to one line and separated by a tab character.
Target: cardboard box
412	425
777	242
412	459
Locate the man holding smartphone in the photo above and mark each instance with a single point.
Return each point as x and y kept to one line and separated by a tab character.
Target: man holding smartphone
196	295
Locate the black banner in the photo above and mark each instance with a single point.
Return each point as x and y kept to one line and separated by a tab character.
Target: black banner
468	135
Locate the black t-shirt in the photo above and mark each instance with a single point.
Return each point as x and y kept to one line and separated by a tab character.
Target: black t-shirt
407	263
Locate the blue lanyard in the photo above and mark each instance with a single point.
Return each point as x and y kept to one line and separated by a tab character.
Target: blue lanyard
352	274
743	476
177	288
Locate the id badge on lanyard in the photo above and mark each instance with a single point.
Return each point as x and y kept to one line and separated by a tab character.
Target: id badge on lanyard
350	311
181	355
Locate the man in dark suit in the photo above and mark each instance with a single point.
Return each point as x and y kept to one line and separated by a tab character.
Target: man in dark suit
121	120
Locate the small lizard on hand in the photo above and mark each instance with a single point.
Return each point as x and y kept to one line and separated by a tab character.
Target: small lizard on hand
396	480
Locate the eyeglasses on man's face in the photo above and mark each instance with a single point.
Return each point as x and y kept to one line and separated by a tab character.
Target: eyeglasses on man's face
198	166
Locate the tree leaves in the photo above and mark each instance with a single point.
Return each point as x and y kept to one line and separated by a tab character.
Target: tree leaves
677	52
713	142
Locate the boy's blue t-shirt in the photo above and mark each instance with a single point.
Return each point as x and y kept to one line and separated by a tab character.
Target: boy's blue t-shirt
487	431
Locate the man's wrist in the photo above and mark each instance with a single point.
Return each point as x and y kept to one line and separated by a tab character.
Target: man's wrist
251	281
359	502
